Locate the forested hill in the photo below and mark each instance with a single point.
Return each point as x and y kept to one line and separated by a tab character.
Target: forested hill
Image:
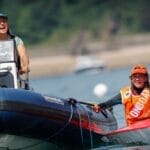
38	20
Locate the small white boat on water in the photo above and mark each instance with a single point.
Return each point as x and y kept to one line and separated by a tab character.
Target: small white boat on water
87	63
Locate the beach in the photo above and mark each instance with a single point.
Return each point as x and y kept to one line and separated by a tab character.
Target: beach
61	64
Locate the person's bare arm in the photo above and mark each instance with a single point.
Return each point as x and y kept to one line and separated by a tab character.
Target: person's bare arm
24	59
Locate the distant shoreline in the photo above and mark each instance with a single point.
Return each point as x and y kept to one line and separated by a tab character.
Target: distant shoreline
57	65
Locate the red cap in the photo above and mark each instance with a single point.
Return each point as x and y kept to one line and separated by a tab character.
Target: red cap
139	69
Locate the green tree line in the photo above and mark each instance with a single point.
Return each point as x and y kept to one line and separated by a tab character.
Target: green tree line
37	20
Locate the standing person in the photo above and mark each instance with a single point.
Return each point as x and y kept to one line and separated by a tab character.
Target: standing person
23	63
135	97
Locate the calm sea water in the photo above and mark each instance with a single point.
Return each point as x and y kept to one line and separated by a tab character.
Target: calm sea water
80	86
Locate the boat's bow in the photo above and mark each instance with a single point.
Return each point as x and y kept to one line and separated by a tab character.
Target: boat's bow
27	114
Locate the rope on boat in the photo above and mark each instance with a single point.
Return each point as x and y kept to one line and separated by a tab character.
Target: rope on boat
81	131
73	102
68	122
89	121
55	134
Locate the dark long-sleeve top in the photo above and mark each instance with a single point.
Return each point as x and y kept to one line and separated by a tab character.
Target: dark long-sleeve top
112	101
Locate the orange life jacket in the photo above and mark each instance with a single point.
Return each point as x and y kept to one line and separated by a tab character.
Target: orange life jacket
137	107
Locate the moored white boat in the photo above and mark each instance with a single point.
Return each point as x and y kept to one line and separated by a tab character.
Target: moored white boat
88	63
